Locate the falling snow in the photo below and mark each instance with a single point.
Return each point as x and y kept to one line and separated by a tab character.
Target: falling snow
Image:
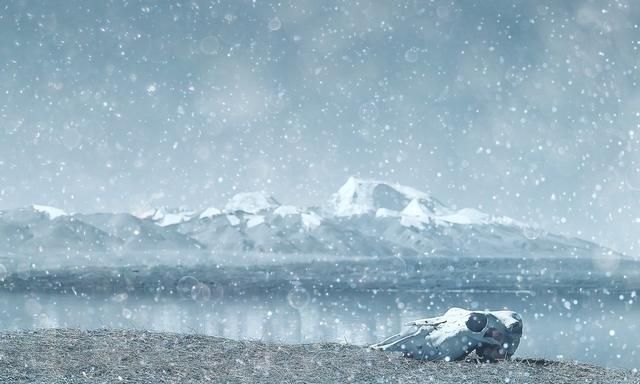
323	171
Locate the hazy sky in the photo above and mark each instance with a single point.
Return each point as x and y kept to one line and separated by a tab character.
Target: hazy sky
528	109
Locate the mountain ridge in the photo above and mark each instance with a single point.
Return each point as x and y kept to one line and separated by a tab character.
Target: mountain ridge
363	218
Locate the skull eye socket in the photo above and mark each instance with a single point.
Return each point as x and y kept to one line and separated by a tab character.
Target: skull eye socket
476	322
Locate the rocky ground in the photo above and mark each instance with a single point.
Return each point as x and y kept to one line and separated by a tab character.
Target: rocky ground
111	356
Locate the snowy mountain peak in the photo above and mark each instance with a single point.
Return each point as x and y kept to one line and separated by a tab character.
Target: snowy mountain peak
52	212
210	212
251	202
414	208
361	196
310	219
164	216
365	218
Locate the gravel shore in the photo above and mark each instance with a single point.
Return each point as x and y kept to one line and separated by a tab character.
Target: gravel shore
111	356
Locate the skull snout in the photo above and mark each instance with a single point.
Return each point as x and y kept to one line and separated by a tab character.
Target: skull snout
514	325
515	328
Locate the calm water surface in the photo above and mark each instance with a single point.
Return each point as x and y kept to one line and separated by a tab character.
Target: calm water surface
599	326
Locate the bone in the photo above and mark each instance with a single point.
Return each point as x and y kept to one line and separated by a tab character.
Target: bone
493	335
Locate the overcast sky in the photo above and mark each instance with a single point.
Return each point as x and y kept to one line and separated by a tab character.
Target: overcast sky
528	109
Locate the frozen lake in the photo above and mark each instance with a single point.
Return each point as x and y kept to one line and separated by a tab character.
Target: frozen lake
595	326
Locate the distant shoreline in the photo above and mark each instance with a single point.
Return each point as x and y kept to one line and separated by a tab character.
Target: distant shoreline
392	273
74	356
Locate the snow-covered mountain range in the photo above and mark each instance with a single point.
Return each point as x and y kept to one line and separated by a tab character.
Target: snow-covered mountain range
363	218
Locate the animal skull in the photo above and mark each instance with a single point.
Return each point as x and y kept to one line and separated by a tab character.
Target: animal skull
494	335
